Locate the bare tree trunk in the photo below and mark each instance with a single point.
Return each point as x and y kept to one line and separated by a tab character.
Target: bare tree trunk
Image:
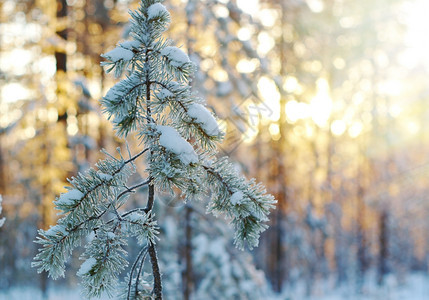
188	274
361	238
61	58
383	246
277	264
46	206
277	260
157	286
2	169
275	253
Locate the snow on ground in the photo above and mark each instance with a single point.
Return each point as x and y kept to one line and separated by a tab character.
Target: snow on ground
31	293
414	287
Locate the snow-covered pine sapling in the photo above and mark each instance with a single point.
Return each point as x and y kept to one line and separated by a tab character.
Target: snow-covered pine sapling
155	101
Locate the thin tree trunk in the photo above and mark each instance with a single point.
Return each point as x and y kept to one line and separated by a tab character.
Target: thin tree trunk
2	169
61	64
275	255
383	246
187	274
362	242
157	284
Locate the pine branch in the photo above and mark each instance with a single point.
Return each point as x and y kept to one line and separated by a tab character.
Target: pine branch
101	183
246	203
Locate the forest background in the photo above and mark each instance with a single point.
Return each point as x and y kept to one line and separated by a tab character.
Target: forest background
326	102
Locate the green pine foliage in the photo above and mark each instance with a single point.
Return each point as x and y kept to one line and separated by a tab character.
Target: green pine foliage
179	135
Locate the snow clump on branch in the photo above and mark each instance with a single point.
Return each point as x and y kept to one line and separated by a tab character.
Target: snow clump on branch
171	140
204	118
119	53
177	57
156	10
69	198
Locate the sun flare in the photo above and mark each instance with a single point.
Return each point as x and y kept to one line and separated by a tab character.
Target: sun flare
416	39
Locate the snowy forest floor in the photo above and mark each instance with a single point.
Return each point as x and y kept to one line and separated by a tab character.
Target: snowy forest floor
414	287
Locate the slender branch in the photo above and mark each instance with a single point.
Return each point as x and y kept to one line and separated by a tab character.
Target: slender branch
94	217
132	270
167	88
118	217
219	177
132	189
125	162
201	130
227	186
115	210
136	156
140	270
131	211
132	89
183	107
